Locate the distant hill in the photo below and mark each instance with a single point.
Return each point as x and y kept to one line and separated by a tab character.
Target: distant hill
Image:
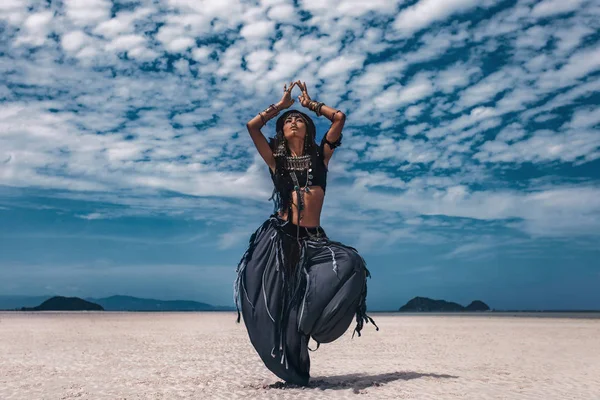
61	303
129	303
116	303
477	305
425	304
16	302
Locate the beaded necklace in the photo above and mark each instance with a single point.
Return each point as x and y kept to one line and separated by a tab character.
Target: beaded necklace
292	164
299	163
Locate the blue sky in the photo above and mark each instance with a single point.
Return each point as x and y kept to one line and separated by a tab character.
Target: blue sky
470	167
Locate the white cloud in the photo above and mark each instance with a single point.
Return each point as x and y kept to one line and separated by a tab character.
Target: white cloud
259	60
419	88
202	54
569	207
87	12
174	38
374	77
571	36
455	126
414	111
548	8
125	42
578	65
564	99
258	30
126	116
285	66
74	40
583	118
415	129
487	88
283	13
37	26
535	37
456	76
425	12
357	8
123	22
469	249
341	65
543	146
512	132
14	11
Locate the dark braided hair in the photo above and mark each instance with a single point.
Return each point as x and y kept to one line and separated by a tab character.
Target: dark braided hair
280	149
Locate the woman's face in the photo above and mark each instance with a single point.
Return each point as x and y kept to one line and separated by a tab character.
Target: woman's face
294	125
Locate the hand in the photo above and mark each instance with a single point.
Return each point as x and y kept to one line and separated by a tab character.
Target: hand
304	98
286	101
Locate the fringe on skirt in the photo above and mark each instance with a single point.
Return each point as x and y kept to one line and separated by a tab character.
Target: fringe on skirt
290	290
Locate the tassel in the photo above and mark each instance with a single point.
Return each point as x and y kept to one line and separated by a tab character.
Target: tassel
265	295
335	267
238	283
361	311
373	322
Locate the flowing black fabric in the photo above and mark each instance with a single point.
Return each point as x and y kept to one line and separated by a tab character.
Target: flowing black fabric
285	303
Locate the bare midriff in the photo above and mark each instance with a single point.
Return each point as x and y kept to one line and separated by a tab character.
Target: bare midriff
313	203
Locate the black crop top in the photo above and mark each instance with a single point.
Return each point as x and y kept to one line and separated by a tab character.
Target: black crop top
319	173
319	169
317	176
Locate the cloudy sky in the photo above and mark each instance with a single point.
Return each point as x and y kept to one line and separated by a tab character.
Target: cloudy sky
470	167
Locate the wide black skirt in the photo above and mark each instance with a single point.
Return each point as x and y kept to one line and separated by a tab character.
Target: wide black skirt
291	290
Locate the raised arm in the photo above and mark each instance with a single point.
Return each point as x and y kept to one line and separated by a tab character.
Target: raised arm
261	119
334	135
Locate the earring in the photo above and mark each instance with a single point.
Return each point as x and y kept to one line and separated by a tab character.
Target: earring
286	147
281	147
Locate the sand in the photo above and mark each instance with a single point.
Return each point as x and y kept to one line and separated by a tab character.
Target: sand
107	355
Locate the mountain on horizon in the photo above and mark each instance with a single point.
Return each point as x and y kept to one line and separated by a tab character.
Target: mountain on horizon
116	303
130	303
425	304
62	303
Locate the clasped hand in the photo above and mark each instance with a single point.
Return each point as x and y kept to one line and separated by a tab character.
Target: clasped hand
286	101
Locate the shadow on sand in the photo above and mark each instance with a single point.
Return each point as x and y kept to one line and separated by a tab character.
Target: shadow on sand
358	382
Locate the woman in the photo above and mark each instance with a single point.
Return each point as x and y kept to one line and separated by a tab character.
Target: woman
293	282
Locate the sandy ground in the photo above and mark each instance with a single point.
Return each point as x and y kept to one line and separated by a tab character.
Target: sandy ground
47	355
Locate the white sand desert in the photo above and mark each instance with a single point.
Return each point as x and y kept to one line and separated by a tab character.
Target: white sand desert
106	355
